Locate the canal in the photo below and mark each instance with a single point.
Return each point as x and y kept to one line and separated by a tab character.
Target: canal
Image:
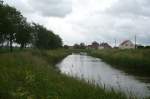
95	71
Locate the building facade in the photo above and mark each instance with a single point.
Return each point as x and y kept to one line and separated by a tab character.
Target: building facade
127	44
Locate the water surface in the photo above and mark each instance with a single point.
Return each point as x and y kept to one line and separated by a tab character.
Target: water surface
95	71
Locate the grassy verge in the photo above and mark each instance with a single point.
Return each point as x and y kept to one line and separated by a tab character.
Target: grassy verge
31	75
132	61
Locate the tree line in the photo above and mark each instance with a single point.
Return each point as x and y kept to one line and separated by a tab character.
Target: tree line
14	29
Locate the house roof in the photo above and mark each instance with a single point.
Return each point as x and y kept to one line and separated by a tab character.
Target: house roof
106	45
126	41
95	43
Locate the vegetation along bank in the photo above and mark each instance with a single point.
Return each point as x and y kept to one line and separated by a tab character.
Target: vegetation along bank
32	75
132	61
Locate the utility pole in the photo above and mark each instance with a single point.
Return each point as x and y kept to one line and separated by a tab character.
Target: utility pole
135	41
115	43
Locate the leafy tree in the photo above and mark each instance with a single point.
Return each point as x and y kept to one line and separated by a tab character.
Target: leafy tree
147	47
66	46
14	18
40	36
15	28
55	40
2	23
76	46
82	46
79	46
23	35
1	39
45	39
10	20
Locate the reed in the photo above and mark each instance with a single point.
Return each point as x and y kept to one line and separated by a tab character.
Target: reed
31	75
132	61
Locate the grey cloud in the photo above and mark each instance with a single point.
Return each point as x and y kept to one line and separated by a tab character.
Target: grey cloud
21	5
122	20
48	8
130	8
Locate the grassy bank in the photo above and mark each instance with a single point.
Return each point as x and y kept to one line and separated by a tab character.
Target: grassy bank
31	75
132	61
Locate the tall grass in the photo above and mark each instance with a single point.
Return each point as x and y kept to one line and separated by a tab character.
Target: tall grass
31	75
132	61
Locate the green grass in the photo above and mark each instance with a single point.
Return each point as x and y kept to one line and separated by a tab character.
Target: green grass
132	61
32	75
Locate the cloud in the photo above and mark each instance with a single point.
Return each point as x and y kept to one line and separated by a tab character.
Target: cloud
133	18
121	20
21	5
91	20
131	8
45	8
58	8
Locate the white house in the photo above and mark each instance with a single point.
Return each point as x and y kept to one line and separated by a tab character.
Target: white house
127	44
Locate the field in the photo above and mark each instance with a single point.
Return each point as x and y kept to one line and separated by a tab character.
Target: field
132	61
31	74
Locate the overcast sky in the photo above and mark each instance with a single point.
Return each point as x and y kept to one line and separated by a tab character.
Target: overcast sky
90	20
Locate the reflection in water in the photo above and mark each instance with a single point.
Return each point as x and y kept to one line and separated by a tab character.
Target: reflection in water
95	71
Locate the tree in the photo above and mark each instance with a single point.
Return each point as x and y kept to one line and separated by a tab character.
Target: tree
40	37
2	23
147	47
82	46
66	46
76	46
15	28
10	20
23	35
54	41
1	39
14	18
45	39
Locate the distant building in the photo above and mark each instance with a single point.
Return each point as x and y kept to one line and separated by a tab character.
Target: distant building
127	44
104	46
94	45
